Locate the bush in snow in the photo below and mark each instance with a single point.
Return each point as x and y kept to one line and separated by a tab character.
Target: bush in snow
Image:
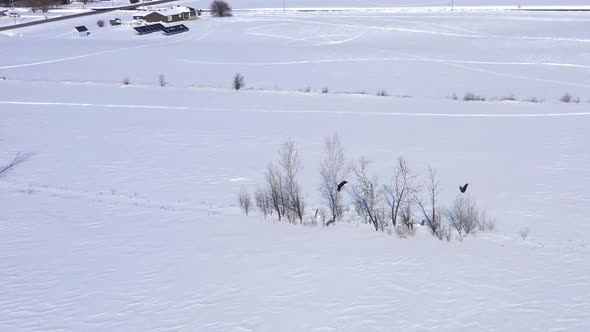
162	80
220	8
534	100
469	96
485	224
403	232
523	233
509	98
244	201
238	81
325	90
382	93
567	98
463	215
125	81
100	23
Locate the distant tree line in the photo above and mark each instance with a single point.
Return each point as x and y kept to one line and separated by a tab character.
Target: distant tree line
35	5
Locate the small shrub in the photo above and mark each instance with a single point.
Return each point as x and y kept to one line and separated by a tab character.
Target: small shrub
469	96
306	90
238	82
404	232
100	23
325	90
382	93
463	215
454	96
523	233
534	100
126	81
486	224
244	201
162	80
509	98
445	232
567	98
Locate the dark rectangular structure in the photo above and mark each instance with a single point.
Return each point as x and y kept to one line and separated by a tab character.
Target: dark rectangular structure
172	30
145	29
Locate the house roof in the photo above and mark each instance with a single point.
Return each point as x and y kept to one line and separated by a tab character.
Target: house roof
165	11
81	28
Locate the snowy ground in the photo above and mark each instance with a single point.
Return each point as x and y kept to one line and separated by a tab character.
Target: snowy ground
124	219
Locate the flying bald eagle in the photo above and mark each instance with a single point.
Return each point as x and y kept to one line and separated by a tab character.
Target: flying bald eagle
463	188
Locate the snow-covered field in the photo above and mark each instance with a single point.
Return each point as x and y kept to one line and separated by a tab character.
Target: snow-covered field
124	218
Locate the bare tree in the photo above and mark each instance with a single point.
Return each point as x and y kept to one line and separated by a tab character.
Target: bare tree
19	158
245	201
291	164
220	8
274	182
238	81
263	203
430	210
333	170
400	193
463	215
367	196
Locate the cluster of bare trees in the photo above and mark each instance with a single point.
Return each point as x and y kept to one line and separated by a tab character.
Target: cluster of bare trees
396	206
281	195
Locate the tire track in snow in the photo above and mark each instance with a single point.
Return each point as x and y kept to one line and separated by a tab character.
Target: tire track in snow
113	198
456	63
473	62
297	111
450	34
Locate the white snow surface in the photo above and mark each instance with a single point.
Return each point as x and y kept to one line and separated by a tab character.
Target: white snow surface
124	217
